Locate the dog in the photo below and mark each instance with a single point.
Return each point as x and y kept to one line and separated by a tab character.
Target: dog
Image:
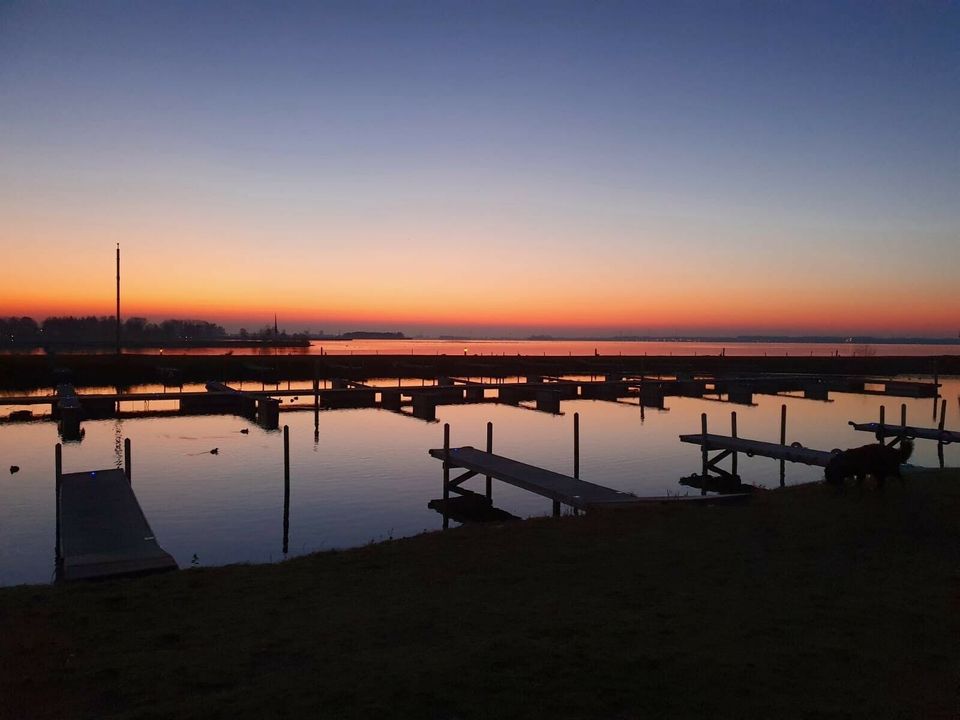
877	460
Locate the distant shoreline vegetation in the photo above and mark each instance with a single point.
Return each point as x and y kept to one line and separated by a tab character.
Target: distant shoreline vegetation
101	331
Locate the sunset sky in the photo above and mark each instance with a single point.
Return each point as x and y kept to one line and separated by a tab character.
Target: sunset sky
486	168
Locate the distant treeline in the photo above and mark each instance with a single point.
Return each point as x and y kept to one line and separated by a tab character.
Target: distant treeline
103	329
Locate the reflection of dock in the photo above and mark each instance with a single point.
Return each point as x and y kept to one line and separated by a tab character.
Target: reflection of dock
101	529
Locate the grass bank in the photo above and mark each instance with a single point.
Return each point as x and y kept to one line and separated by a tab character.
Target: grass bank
803	603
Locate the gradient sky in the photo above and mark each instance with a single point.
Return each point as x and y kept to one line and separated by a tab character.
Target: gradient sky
480	167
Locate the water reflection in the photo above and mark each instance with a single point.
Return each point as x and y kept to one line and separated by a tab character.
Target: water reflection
367	476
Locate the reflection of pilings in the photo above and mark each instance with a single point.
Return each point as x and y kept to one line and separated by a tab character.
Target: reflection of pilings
739	394
68	412
783	441
391	400
651	394
286	487
548	401
816	390
268	412
425	406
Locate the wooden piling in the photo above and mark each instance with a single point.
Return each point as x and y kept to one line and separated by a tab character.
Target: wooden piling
733	433
576	445
446	471
903	422
783	441
703	452
489	487
127	462
286	488
58	476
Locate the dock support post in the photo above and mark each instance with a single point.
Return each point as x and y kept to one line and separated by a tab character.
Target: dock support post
556	508
489	450
703	451
576	445
286	487
783	441
903	424
880	430
943	415
446	472
127	461
58	475
733	433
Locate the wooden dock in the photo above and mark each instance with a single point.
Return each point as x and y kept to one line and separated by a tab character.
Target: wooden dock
790	453
101	529
571	491
884	431
729	446
555	486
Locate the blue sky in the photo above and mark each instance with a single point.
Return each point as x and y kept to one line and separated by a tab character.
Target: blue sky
791	145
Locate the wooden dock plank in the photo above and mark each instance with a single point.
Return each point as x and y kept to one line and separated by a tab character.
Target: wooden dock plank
803	455
555	486
103	531
946	436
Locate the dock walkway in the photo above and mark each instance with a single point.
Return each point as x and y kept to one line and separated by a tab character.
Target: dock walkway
887	430
791	453
561	488
102	529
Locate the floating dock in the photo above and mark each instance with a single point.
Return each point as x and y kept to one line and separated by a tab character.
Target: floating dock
101	529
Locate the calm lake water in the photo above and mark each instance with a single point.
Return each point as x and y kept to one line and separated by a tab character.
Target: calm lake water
367	476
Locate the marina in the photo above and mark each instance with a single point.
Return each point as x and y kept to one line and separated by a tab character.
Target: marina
360	474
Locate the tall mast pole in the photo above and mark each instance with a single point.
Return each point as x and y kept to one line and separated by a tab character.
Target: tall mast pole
118	299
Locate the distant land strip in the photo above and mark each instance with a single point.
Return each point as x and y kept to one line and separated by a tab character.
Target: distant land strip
21	371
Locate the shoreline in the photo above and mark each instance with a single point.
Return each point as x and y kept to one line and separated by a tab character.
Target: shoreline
759	610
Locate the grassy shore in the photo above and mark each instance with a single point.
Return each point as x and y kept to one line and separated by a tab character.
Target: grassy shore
802	603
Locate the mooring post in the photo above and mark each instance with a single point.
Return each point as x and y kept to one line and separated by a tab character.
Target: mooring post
903	423
127	462
943	416
58	476
446	473
490	450
783	441
703	452
880	433
733	434
576	445
286	487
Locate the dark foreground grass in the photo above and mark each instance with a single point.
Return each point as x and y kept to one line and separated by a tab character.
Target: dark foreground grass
801	604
